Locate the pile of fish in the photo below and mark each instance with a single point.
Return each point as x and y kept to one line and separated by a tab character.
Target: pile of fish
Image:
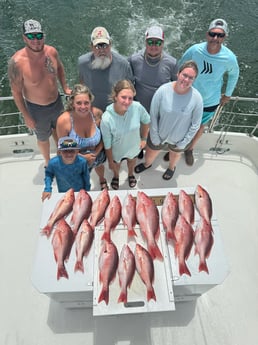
177	217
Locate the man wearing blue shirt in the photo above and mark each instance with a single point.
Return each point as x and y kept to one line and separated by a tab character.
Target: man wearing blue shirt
214	61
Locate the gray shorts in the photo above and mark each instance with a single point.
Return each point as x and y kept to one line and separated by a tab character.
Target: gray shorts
45	117
165	146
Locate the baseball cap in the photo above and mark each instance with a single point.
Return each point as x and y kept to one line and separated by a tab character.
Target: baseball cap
154	32
100	35
31	26
219	24
67	143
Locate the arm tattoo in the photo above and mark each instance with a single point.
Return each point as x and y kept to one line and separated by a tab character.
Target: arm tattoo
13	72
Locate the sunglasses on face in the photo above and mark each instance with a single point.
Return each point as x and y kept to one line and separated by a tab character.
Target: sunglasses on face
218	34
152	42
101	46
38	36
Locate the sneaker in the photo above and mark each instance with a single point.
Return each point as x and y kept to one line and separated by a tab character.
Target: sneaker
189	158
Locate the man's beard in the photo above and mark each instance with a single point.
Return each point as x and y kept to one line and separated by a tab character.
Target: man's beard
101	62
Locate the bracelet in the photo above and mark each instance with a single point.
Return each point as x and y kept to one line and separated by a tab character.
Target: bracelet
144	139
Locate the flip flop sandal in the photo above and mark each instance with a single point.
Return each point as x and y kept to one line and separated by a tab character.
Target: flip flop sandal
168	174
132	181
103	185
140	168
115	183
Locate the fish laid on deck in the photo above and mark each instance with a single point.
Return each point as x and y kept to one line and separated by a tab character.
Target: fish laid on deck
126	270
63	207
83	242
108	262
81	209
147	215
62	242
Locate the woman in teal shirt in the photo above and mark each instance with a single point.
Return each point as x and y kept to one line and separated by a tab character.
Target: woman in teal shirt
124	127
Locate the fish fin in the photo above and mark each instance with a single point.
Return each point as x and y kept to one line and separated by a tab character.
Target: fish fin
203	267
131	233
170	236
61	272
106	236
183	269
104	295
122	297
46	231
155	252
151	294
79	266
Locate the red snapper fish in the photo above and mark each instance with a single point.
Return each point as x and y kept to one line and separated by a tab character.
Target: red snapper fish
186	206
126	270
169	215
129	214
203	203
184	235
81	209
63	207
112	217
108	261
203	240
83	242
147	215
98	209
145	268
62	242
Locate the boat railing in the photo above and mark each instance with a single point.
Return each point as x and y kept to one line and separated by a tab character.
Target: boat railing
240	114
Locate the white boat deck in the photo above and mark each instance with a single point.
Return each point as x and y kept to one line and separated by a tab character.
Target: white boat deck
226	314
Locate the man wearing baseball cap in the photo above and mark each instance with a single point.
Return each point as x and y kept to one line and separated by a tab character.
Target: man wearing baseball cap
34	72
101	68
152	67
215	61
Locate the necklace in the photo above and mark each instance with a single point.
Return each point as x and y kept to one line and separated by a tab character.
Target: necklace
152	62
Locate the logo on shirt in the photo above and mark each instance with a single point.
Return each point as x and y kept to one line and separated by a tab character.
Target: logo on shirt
207	68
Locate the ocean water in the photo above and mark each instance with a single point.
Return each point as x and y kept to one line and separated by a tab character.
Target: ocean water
68	25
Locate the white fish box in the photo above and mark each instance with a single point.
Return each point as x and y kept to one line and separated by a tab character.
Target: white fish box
169	286
137	293
188	288
75	292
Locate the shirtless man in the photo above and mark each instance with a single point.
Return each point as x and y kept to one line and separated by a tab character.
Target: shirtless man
34	72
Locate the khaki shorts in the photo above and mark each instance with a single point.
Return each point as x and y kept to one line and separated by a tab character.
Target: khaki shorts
165	146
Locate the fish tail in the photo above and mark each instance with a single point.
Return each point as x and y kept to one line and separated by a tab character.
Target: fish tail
122	297
104	295
203	267
79	266
46	230
106	236
170	236
151	294
183	269
131	233
155	253
61	272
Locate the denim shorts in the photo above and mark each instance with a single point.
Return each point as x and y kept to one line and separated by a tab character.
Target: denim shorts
100	159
